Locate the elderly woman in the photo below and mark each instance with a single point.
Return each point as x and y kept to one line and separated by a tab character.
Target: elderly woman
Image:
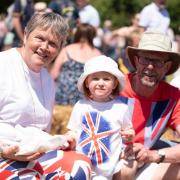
27	97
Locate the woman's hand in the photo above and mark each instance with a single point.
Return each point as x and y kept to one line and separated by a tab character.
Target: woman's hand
70	137
10	153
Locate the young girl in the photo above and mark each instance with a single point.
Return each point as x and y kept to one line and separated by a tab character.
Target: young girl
99	121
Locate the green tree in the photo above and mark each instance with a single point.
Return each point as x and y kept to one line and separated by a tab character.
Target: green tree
174	10
120	11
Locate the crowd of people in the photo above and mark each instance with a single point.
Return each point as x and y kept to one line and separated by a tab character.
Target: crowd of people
115	81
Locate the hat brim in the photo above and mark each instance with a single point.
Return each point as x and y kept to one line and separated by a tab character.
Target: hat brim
174	57
117	74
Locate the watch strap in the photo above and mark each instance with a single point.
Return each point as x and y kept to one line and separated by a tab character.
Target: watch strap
1	151
161	156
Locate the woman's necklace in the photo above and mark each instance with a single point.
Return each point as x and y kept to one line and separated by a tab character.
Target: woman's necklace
27	79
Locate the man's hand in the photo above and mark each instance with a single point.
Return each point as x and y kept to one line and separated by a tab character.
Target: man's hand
142	154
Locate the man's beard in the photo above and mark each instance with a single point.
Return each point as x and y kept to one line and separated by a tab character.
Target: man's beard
148	83
149	78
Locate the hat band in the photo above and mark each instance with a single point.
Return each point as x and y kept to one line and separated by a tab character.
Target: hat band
154	46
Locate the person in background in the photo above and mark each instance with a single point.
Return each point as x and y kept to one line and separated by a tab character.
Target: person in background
155	15
124	64
6	37
55	6
67	9
176	80
69	64
156	106
23	10
8	41
3	31
100	120
40	7
127	30
123	33
27	99
108	43
87	13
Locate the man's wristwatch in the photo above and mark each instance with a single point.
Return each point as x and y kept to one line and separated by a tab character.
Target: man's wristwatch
1	151
162	156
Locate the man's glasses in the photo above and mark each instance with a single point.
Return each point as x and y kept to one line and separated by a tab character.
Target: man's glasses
155	62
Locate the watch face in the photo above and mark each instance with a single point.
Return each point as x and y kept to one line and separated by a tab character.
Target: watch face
161	152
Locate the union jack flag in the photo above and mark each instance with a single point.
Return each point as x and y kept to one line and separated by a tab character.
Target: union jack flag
95	139
149	118
16	170
157	121
54	165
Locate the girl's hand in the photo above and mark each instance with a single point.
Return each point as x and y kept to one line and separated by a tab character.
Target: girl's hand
10	153
127	135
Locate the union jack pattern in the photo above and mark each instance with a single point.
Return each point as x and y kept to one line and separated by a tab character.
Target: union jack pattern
153	116
95	138
157	121
54	165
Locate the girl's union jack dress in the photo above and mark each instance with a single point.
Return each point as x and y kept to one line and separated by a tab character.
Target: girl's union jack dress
98	126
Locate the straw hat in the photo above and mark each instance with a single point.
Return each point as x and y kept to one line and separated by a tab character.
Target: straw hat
98	64
155	42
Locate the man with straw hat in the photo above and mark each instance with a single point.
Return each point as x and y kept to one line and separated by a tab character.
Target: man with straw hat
156	106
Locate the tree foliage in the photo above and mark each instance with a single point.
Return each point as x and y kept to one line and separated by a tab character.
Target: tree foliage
121	11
